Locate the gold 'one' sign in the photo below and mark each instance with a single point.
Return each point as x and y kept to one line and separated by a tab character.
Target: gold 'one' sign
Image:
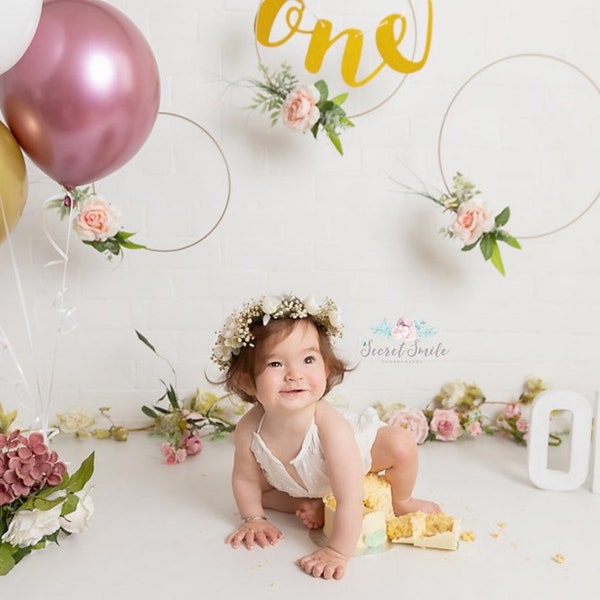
321	39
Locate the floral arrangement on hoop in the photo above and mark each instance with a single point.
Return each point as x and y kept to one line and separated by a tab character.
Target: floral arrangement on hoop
39	501
456	411
300	107
180	423
473	223
95	220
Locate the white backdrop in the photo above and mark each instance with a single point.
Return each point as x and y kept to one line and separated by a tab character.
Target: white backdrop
303	218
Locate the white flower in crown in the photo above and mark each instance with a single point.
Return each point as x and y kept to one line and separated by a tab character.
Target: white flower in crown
270	305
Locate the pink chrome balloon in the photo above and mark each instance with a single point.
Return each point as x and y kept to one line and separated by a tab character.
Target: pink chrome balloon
84	97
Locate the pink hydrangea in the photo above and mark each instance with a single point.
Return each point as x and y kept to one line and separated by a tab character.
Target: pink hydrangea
413	420
445	424
27	465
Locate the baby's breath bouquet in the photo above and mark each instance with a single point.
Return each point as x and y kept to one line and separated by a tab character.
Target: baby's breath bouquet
473	223
301	107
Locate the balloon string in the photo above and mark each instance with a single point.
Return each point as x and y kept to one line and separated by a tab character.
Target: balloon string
37	398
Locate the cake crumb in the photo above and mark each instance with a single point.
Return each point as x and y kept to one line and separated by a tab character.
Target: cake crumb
495	534
467	536
502	525
559	558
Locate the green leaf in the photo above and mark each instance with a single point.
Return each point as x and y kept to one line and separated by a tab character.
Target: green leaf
503	217
511	241
315	129
496	258
70	504
340	99
335	140
486	245
145	341
323	90
7	562
149	412
468	246
82	475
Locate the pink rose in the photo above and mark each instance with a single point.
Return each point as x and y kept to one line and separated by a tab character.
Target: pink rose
522	425
414	421
512	410
192	444
300	111
472	220
405	330
474	428
446	425
96	220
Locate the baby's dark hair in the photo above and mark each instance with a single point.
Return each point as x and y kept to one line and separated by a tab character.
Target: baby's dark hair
241	371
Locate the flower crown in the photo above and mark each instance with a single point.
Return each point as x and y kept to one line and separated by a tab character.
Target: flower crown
236	334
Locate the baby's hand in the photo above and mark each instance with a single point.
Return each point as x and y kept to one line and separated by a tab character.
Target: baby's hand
325	563
260	532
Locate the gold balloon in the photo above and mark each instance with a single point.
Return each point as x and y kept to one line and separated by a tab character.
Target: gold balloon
13	180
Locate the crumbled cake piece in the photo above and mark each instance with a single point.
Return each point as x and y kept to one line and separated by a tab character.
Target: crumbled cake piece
400	528
467	536
559	558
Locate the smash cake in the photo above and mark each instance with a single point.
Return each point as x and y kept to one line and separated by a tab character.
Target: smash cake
380	526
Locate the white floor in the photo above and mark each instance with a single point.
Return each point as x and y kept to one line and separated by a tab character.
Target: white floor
158	533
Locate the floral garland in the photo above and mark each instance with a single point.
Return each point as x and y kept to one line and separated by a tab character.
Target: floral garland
39	501
181	423
300	107
95	220
456	412
473	223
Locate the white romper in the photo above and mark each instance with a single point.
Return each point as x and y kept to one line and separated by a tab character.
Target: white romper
309	462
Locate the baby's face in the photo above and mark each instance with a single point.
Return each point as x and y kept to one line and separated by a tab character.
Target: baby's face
291	373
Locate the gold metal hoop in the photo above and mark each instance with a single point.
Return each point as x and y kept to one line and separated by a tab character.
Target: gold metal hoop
468	81
227	195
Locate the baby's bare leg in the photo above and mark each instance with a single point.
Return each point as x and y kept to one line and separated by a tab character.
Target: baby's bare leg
395	452
309	510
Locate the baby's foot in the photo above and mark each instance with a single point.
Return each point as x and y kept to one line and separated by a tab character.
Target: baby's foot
410	505
311	512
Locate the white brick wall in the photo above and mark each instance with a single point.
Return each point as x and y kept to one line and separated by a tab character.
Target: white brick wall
303	218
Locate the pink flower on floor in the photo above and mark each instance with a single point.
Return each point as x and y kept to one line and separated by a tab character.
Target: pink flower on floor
192	443
474	428
413	420
512	410
171	455
445	424
522	425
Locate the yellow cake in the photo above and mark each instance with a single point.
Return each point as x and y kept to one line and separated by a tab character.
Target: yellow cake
427	531
377	509
380	525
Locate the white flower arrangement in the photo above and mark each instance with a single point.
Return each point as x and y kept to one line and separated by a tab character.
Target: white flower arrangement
236	332
302	108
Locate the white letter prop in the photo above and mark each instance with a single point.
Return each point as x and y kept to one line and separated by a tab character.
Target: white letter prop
539	429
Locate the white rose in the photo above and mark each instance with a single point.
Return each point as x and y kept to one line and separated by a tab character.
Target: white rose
452	393
75	422
270	304
28	527
311	305
335	318
77	521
